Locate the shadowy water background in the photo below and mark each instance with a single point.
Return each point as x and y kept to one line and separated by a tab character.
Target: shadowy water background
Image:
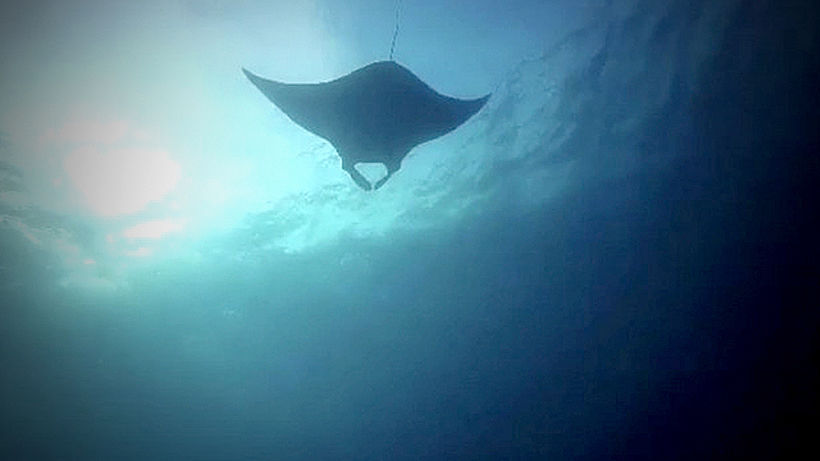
620	262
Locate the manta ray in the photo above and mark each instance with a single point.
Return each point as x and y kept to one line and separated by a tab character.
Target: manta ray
375	114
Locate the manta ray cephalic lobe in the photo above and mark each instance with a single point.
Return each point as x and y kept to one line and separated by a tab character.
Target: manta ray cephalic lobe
374	114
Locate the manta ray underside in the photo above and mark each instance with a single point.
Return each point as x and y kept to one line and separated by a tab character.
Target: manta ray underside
375	114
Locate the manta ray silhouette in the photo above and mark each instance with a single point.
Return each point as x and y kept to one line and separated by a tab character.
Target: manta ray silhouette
374	114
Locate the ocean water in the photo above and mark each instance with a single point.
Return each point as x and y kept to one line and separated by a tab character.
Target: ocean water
614	259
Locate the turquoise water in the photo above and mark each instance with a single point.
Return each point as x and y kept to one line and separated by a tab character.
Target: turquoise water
613	259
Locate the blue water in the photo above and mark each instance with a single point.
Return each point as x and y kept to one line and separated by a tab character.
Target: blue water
614	260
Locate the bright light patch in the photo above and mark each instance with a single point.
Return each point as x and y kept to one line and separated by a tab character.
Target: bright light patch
153	229
121	181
